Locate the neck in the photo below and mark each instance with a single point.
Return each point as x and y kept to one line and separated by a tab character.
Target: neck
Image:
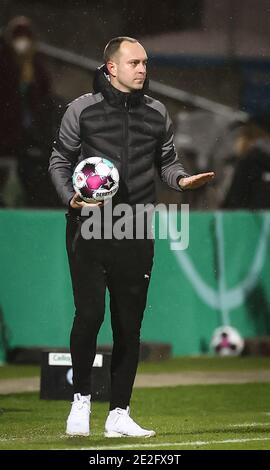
113	93
115	83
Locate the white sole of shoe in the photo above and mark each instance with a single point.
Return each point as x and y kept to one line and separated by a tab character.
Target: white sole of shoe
74	434
118	434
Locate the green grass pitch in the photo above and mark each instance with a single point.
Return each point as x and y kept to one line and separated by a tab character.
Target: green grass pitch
231	416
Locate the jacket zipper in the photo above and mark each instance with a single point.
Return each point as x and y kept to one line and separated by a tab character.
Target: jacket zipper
125	147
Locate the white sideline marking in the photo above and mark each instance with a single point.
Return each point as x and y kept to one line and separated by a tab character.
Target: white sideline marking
46	437
250	425
180	444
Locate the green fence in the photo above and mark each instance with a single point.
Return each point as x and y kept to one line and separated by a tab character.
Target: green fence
223	277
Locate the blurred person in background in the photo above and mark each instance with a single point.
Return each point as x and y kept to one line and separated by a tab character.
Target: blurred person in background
250	185
26	112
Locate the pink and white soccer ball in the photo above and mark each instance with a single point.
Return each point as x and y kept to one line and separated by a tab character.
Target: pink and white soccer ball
226	341
96	179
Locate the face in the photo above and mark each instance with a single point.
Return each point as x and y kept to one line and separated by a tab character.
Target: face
22	46
128	67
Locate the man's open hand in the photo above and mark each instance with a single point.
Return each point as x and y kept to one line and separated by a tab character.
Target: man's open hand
196	181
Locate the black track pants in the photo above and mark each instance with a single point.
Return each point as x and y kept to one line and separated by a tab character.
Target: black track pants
124	266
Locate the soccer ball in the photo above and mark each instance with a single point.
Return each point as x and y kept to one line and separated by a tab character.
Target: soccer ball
95	179
226	341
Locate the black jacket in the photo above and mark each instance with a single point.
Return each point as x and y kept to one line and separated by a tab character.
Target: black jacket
132	130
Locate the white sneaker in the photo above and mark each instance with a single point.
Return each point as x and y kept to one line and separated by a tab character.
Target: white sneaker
120	424
79	416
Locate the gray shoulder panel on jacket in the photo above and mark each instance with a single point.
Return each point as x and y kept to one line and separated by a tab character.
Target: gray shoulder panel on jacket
155	104
69	132
82	102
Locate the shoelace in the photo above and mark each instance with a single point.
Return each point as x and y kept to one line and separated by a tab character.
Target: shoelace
125	415
122	411
80	404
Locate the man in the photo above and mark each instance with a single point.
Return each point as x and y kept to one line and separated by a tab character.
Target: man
135	133
26	110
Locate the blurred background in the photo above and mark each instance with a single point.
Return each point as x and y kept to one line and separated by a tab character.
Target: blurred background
209	63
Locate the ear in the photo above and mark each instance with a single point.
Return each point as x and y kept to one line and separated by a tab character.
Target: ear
112	68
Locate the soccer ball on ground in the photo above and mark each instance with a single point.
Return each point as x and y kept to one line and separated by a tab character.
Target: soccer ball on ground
226	341
95	179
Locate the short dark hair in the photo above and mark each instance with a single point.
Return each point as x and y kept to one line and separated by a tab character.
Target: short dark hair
114	45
